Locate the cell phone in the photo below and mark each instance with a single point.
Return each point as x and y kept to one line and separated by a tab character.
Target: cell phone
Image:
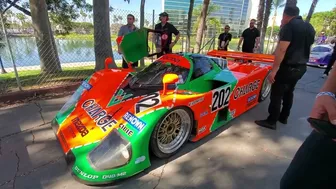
323	127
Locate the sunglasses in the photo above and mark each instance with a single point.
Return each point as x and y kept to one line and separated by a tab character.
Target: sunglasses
129	18
227	28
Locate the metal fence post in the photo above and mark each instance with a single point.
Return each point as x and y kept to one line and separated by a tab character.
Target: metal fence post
153	29
10	52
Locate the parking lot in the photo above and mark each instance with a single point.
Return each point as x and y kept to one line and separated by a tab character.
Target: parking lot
238	156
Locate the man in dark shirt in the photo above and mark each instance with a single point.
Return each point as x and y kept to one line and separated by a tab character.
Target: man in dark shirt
291	56
251	38
224	39
164	43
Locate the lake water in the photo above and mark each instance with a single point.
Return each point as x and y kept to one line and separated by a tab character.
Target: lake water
25	52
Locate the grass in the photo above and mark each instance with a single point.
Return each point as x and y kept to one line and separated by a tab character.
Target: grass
30	79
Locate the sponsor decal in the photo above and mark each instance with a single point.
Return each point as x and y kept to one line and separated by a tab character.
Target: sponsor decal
246	89
134	121
113	175
251	100
204	114
202	129
80	127
232	113
220	98
171	58
119	97
193	103
99	115
148	102
140	159
86	175
86	85
128	131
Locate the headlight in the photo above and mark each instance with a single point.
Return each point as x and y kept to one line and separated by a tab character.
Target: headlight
112	152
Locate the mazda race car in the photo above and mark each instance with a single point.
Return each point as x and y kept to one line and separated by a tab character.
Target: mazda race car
118	117
320	56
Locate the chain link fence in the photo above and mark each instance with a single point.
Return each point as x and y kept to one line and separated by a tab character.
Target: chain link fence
27	62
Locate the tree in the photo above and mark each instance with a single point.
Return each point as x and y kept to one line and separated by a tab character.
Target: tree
201	25
190	13
102	35
147	23
22	18
276	5
325	21
260	15
265	24
45	41
311	10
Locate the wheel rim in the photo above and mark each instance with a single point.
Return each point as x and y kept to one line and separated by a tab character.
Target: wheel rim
173	131
266	88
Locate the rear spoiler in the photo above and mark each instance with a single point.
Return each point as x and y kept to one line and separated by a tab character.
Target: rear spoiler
242	56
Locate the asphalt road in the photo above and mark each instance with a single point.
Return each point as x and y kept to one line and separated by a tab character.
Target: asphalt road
241	155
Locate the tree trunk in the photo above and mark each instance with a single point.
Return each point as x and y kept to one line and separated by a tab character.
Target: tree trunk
142	21
272	29
265	24
44	37
102	35
260	16
3	71
201	25
311	10
191	7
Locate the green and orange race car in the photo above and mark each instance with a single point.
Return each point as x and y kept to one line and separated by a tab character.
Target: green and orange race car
117	117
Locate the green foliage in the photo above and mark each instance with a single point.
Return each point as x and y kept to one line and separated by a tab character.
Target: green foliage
325	21
276	30
211	21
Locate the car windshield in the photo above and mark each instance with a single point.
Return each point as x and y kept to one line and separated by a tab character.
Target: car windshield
153	74
321	49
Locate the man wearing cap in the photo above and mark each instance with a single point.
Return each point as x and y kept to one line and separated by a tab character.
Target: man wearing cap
166	37
224	39
291	56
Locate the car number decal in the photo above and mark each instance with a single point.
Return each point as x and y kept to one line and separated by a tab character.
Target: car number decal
148	102
220	98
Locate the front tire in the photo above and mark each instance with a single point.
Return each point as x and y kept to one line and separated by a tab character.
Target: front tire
265	88
171	132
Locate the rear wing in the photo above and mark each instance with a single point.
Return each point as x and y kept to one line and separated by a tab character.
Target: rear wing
242	56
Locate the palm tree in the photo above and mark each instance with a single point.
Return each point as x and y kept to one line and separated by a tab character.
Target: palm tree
276	5
201	25
311	10
260	15
265	24
190	13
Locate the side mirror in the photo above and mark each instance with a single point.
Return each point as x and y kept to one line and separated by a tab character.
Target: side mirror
169	79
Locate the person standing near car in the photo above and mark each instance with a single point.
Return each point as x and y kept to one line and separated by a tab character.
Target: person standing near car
164	44
126	29
331	61
250	38
314	165
291	56
224	39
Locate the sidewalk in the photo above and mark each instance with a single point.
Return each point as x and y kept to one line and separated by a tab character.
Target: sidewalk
241	156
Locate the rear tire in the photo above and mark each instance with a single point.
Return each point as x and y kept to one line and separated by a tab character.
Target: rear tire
171	132
265	89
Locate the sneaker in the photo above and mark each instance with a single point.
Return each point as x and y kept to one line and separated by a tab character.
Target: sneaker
324	76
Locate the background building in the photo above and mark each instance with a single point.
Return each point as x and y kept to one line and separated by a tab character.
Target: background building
235	13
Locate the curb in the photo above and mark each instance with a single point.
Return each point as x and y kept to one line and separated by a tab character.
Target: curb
21	96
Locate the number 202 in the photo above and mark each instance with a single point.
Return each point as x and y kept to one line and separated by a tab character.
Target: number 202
220	98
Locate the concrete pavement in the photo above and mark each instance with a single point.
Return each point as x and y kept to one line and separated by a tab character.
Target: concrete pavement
238	156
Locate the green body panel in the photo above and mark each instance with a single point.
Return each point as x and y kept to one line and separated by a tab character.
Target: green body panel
134	45
140	147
